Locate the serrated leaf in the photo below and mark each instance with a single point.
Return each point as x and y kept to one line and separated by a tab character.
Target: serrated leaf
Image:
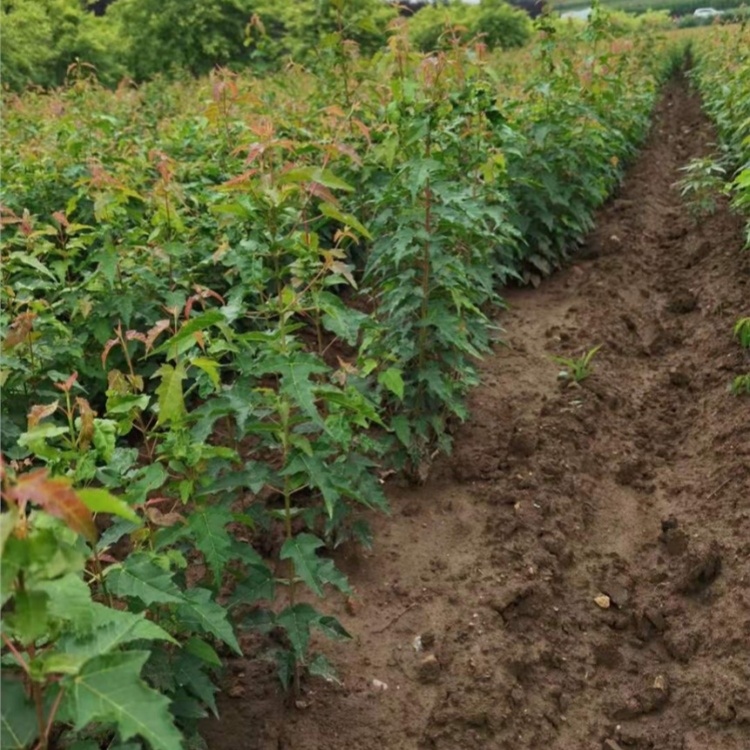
211	537
202	650
327	572
332	628
150	478
110	629
321	667
199	611
393	380
18	723
301	551
297	621
69	600
109	689
259	584
169	391
400	425
315	473
210	367
285	663
141	578
296	384
28	620
190	675
102	501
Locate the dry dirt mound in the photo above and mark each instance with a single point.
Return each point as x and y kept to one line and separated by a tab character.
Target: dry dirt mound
578	572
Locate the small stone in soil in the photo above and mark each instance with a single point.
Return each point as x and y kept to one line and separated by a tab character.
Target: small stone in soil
649	701
673	538
618	594
429	669
679	378
682	302
701	570
428	639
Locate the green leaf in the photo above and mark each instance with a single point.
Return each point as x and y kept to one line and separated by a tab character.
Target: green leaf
297	621
400	425
327	572
296	384
109	689
169	391
188	331
18	723
393	380
211	538
258	585
301	550
285	663
112	628
190	674
199	611
140	577
344	322
101	501
210	367
69	600
316	174
314	472
333	628
321	667
8	521
328	209
201	650
41	432
34	263
149	478
28	620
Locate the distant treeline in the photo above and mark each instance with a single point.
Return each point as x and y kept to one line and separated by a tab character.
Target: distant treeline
143	38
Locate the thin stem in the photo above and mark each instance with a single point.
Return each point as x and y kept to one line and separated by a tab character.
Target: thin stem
100	573
44	741
16	654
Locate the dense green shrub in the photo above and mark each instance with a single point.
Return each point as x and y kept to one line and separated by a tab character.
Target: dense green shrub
171	34
41	38
499	24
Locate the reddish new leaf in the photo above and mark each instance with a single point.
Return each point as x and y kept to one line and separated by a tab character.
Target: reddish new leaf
57	498
68	384
107	349
38	412
19	330
86	433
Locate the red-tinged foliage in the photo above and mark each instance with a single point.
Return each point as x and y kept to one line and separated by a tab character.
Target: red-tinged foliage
56	497
68	384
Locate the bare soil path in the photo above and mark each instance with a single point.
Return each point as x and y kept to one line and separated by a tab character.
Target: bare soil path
635	486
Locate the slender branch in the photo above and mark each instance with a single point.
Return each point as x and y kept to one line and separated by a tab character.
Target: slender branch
17	655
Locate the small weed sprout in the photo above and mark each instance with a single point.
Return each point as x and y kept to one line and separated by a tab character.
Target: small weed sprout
704	180
742	332
741	385
576	370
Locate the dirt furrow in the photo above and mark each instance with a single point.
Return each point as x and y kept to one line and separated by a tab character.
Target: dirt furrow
631	491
